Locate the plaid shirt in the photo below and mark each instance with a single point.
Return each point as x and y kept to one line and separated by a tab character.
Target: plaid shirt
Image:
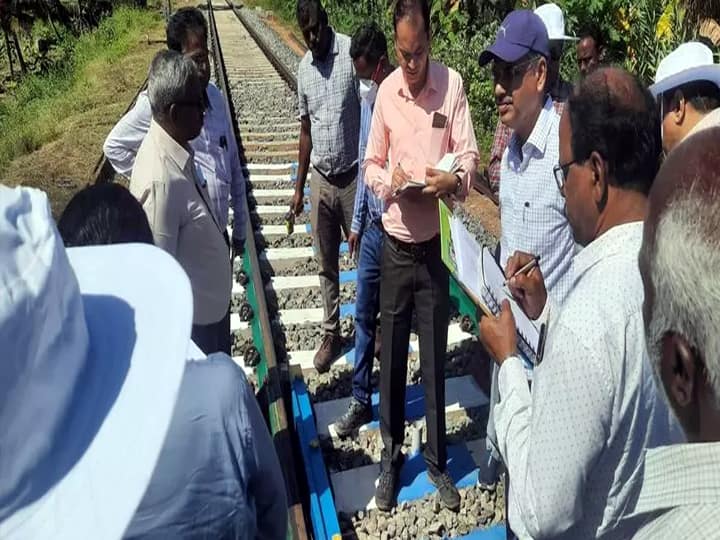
328	94
499	144
532	209
680	494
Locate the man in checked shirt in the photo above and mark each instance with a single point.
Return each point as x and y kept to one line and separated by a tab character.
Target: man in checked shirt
329	110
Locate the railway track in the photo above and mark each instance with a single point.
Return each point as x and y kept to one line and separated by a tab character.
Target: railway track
276	324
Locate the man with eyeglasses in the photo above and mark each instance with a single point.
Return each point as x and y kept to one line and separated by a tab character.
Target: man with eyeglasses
574	446
177	203
421	113
532	210
687	90
558	88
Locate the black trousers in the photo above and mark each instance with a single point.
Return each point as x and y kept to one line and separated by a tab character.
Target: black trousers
413	277
213	337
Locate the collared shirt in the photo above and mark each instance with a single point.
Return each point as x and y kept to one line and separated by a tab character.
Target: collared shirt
368	208
417	132
532	209
574	447
680	494
710	120
328	94
163	180
218	475
217	162
499	144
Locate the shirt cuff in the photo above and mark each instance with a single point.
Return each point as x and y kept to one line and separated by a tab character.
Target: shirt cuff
512	375
355	228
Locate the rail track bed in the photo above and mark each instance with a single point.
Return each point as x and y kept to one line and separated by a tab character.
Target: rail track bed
276	321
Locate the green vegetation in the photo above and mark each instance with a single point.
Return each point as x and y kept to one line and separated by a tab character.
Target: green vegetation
77	82
638	34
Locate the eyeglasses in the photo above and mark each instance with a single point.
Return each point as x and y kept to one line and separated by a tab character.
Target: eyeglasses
561	171
406	57
502	71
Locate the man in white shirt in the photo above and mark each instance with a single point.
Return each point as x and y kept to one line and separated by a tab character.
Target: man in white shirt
216	157
177	204
687	87
680	494
574	446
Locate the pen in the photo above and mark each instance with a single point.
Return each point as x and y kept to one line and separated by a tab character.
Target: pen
526	268
541	344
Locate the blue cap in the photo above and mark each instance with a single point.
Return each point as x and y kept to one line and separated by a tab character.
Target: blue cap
520	33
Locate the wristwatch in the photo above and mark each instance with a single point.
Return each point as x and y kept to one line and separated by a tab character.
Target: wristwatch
458	185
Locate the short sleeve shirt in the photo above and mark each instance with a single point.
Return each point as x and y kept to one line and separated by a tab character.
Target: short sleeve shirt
328	94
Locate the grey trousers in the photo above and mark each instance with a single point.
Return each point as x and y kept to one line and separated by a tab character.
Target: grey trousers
331	209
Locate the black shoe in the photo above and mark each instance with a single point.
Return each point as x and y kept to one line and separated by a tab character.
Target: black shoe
386	491
357	415
446	488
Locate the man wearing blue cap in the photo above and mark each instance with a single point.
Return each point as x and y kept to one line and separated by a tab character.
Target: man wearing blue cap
532	214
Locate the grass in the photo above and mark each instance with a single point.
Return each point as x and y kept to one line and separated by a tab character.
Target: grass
52	126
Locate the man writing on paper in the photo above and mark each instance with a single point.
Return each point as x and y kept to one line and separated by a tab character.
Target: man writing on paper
532	210
575	445
421	113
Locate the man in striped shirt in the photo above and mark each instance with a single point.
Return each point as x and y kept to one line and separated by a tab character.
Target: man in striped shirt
368	50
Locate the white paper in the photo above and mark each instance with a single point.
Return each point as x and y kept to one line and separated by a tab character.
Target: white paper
448	163
467	255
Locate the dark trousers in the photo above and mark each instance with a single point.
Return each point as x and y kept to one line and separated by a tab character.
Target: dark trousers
213	337
413	277
367	305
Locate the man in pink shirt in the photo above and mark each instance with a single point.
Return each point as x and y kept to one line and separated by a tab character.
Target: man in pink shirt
421	113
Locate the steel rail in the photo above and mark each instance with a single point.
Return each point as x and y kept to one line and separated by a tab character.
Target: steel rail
268	370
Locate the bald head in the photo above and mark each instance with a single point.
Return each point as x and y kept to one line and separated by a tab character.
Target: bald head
612	112
679	259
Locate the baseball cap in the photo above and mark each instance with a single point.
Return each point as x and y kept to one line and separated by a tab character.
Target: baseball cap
554	20
520	33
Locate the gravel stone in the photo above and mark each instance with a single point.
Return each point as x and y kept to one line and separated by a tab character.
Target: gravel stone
270	37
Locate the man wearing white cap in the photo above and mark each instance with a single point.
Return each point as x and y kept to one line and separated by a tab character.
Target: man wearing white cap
687	88
559	89
106	428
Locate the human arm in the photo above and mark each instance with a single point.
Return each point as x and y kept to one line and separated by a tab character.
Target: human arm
304	149
238	188
375	174
500	142
166	207
551	439
123	141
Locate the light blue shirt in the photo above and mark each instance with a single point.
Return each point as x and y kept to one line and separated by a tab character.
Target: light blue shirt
216	157
218	475
368	208
532	209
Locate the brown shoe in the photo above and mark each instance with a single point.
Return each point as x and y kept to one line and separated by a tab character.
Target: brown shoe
328	352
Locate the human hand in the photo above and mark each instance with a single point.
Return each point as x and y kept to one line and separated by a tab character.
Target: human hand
439	183
298	202
399	178
353	243
498	334
527	288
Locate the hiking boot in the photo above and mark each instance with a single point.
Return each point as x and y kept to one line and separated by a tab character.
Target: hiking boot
328	352
446	489
386	491
357	415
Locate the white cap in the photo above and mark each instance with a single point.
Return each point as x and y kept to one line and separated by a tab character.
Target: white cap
93	341
690	62
554	20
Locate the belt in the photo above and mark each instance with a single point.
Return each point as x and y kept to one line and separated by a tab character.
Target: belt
418	250
340	178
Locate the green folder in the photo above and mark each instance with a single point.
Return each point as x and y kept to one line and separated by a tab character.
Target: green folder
447	251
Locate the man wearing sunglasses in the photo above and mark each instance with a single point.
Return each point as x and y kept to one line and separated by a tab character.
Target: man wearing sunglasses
559	89
532	210
574	446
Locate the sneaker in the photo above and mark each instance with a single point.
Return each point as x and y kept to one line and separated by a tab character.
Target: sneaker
386	491
449	494
329	351
357	415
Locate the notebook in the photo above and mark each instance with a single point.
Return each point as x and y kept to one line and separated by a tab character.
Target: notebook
449	163
482	279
